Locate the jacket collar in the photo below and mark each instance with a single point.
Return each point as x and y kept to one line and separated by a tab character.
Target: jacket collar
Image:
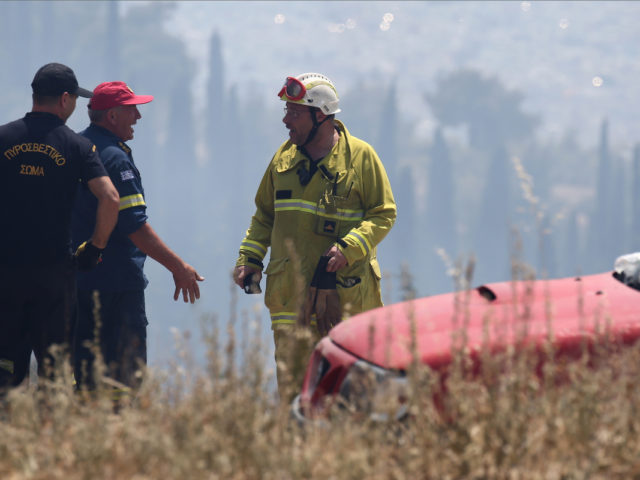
109	136
337	159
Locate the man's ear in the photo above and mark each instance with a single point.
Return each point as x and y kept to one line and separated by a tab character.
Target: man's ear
112	115
63	99
320	117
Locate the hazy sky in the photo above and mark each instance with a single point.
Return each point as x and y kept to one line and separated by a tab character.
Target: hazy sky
576	62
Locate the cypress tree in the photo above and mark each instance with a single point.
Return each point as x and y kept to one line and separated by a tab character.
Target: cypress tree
180	169
493	231
440	219
573	247
386	144
634	237
599	222
400	247
216	111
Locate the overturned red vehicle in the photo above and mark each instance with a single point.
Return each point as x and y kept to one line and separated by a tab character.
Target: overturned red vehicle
569	312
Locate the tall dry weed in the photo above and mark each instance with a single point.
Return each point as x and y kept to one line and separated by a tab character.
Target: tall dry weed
225	422
513	419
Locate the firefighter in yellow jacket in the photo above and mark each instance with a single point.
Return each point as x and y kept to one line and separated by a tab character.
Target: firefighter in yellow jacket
325	193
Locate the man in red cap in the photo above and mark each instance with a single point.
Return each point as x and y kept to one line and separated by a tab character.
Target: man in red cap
111	297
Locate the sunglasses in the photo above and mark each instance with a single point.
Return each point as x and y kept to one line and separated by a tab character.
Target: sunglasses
293	89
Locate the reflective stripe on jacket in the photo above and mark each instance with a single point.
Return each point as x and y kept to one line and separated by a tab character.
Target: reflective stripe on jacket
348	198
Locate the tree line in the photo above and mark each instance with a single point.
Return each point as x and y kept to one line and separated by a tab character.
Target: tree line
483	184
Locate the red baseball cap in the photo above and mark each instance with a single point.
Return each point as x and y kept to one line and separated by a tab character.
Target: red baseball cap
112	94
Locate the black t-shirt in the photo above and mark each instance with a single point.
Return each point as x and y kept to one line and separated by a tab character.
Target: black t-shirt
41	162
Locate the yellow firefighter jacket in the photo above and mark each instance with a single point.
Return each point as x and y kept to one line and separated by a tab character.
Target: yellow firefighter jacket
348	201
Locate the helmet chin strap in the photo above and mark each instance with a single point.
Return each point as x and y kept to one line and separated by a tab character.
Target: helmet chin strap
304	174
315	127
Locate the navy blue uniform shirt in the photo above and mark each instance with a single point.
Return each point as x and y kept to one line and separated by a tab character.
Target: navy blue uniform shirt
122	263
41	162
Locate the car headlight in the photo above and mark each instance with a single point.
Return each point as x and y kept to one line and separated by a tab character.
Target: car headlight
378	392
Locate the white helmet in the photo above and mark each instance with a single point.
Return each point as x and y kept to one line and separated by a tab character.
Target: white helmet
312	90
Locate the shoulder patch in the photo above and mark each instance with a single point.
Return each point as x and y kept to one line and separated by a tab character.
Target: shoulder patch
93	148
127	175
124	147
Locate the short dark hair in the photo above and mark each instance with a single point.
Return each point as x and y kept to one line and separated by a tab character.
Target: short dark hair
40	99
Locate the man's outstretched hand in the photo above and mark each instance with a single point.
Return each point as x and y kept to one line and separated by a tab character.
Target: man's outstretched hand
186	281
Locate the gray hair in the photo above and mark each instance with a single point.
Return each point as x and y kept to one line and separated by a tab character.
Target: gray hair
96	116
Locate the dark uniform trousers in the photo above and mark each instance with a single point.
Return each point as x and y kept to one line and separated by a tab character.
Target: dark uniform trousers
115	325
37	310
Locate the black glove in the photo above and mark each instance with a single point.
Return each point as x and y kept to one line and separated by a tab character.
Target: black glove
251	284
87	256
323	299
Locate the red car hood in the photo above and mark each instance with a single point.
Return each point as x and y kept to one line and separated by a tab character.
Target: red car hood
493	315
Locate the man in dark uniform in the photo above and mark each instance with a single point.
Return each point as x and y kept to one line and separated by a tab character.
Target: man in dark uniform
41	163
111	297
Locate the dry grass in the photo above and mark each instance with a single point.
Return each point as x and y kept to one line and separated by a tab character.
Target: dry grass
225	423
